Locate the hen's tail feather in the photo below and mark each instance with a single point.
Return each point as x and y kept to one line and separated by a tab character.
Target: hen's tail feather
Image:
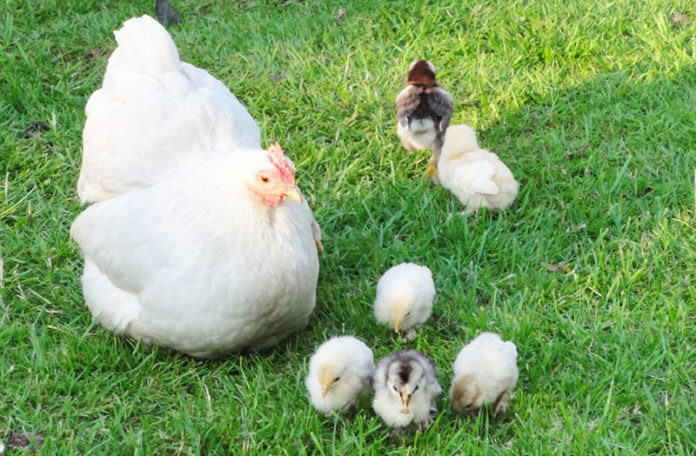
145	47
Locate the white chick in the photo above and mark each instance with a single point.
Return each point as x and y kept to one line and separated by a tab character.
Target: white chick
405	296
405	385
339	373
485	372
476	176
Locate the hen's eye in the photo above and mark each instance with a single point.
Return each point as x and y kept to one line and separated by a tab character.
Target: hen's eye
264	179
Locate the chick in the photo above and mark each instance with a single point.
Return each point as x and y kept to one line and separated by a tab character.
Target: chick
423	110
405	387
485	372
405	296
339	372
476	176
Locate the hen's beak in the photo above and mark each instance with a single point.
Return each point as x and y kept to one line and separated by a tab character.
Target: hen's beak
293	194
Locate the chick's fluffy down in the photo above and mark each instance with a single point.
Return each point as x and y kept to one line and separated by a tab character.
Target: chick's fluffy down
490	364
410	372
476	176
405	292
345	364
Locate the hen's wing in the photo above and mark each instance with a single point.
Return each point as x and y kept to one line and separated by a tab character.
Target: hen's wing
119	237
165	243
154	112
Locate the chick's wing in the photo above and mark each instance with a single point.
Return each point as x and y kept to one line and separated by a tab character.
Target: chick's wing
406	103
441	103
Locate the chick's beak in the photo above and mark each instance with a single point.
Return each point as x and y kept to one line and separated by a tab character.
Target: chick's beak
405	399
324	391
293	194
397	325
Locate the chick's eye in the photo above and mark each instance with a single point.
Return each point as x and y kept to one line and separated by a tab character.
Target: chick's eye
337	378
263	178
395	390
416	388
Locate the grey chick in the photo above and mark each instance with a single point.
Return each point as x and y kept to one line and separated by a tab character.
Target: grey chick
405	387
423	110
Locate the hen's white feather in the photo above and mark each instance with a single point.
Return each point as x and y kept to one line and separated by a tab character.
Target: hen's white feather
153	113
405	296
491	362
347	363
196	264
476	176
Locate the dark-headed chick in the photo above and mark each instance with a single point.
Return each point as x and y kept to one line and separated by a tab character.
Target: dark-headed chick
423	110
405	387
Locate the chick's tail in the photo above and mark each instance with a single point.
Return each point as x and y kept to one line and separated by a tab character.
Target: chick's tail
477	178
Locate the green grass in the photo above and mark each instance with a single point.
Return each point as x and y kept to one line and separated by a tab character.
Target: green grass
591	104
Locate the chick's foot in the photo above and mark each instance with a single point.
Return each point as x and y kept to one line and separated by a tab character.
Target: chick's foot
409	336
431	172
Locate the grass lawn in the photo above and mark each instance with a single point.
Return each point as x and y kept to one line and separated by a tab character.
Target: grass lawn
591	104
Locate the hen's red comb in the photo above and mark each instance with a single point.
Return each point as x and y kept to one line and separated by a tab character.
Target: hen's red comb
277	157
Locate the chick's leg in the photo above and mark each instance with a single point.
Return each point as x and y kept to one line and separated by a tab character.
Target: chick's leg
423	425
397	431
410	336
432	166
503	401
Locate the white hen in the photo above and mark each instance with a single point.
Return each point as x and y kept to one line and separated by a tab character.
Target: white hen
339	373
485	371
405	296
193	245
209	260
153	114
476	176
